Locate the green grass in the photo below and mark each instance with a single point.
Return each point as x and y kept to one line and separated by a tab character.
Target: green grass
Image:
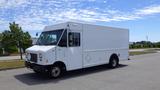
11	64
141	52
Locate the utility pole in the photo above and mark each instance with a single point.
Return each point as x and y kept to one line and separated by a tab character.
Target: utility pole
148	43
147	37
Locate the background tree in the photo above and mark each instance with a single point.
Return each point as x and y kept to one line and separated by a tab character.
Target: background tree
22	39
7	42
17	35
15	38
0	37
0	43
144	44
26	41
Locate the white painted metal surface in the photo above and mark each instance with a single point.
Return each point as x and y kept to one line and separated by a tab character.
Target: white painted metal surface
97	44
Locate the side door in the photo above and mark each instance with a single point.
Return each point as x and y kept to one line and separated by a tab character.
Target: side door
61	50
74	50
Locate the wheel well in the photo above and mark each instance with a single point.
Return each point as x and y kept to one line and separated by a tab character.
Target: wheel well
61	64
114	56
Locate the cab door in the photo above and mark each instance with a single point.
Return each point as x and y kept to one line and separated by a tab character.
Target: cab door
61	50
74	50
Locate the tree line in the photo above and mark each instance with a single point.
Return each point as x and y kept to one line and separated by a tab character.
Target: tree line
144	44
14	40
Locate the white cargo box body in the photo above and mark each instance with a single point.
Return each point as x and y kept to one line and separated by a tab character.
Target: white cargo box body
97	45
100	42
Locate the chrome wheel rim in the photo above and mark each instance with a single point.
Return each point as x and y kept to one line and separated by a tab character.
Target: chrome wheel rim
56	71
114	63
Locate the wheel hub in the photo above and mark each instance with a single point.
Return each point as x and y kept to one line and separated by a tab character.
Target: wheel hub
114	63
56	71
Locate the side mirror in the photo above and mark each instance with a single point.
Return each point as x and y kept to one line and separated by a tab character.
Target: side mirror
37	34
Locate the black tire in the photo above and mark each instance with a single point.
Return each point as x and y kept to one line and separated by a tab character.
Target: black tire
55	71
113	62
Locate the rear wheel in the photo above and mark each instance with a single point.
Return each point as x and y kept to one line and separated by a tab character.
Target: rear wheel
114	62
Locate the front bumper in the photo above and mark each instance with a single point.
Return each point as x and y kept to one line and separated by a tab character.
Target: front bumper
36	67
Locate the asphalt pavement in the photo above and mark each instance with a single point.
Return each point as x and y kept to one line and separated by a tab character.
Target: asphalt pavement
140	73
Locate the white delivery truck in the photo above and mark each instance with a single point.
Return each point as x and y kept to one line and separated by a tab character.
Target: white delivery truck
71	45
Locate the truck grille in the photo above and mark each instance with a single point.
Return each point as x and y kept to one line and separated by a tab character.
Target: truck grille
33	57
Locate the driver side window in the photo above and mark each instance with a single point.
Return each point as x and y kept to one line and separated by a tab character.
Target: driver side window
63	41
73	39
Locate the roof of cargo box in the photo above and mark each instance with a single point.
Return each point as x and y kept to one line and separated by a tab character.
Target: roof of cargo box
69	23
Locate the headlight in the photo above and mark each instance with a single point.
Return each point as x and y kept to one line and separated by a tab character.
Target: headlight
28	56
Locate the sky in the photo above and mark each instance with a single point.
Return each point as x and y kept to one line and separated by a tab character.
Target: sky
141	17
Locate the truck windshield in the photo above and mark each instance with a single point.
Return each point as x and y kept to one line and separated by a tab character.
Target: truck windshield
49	37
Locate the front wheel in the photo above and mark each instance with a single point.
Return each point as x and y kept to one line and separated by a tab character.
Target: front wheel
113	63
55	71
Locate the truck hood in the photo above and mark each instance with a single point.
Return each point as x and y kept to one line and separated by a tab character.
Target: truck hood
37	48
